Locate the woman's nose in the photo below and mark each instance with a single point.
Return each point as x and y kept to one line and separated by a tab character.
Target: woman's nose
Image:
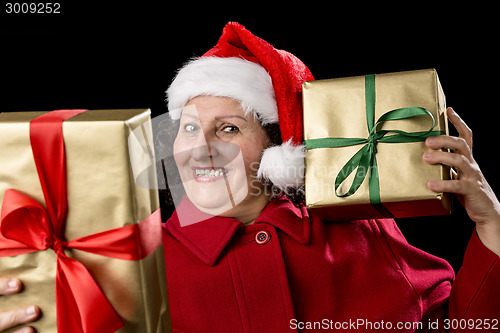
202	149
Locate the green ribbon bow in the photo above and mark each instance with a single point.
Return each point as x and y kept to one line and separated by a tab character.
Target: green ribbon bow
364	161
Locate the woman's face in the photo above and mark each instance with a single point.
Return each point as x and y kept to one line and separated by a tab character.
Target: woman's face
217	151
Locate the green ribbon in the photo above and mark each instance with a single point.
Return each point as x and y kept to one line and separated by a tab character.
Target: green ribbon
364	161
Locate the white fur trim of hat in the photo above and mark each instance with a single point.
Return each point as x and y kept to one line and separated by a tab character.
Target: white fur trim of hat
240	79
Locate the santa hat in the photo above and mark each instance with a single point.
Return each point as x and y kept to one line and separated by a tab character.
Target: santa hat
266	81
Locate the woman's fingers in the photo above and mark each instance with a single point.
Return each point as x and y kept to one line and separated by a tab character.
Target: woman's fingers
460	158
19	316
9	286
16	317
449	186
458	144
25	330
460	162
463	130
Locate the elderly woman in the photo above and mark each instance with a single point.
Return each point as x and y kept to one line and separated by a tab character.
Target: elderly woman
243	254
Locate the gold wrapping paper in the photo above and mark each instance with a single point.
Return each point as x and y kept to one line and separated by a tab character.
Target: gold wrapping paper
336	108
102	195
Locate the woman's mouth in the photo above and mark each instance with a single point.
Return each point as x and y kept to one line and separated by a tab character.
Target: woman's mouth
206	175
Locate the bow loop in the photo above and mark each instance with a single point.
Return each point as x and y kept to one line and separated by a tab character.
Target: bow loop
24	223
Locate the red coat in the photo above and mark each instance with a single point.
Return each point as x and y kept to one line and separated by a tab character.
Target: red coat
290	271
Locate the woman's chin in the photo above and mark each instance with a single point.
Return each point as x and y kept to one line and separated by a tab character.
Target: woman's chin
216	201
213	207
209	197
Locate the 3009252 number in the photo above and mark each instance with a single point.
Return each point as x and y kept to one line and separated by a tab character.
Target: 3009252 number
33	8
471	324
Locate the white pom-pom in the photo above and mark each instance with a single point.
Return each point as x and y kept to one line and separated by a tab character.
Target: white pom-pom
283	165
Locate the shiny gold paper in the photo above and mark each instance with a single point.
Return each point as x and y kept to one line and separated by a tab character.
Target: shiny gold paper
102	195
336	108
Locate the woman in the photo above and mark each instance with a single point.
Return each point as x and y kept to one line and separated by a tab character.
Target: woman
244	254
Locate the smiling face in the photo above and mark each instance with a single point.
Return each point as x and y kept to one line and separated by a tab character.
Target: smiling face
217	151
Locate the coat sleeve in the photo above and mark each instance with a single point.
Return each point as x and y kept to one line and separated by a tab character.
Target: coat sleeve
448	302
476	293
430	277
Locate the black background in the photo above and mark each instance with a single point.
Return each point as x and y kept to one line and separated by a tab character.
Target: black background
124	55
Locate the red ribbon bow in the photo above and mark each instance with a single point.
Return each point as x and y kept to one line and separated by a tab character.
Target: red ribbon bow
26	226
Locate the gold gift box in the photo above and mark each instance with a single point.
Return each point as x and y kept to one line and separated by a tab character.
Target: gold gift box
102	195
336	108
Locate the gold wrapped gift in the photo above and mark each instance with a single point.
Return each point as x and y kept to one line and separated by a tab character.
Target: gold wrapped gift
104	151
365	139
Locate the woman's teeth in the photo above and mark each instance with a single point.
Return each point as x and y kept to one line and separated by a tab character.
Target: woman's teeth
210	172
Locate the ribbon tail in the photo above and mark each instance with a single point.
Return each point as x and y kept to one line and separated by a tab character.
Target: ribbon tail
132	242
81	305
358	161
373	183
374	189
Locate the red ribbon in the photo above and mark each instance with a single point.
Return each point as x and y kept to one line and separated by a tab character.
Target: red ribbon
26	226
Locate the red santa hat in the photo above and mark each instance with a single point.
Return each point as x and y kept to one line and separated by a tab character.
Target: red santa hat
266	81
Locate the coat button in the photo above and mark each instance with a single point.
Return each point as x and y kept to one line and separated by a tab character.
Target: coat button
262	237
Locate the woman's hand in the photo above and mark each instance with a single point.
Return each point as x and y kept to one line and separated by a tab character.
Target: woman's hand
20	316
468	183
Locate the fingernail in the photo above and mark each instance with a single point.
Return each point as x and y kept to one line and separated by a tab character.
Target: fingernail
427	154
30	311
13	284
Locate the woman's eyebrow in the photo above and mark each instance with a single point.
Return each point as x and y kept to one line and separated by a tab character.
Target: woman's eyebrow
230	116
190	115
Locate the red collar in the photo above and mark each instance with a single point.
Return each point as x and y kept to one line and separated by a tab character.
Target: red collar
208	238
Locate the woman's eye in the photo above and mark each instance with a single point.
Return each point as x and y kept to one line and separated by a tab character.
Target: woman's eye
190	128
230	129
